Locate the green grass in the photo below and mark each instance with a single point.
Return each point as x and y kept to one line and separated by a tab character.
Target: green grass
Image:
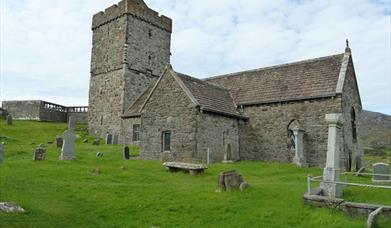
137	193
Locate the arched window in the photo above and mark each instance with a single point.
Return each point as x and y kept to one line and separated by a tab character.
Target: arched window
353	124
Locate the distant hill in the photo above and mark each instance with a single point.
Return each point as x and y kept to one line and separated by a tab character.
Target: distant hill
376	129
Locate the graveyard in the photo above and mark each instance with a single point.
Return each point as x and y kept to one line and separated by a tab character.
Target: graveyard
108	191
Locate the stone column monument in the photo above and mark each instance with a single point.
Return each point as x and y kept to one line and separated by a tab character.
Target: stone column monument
299	147
68	147
332	170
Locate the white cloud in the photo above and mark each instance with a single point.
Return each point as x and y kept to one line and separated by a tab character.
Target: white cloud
45	44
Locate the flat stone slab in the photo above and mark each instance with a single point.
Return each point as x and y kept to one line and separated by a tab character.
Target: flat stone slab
192	168
10	207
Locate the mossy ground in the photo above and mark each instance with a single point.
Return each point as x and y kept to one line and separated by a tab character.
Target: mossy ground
137	193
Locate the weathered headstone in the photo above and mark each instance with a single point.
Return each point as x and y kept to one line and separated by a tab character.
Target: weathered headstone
71	123
126	153
39	153
380	169
299	147
99	154
9	120
109	138
209	158
1	152
68	148
331	172
230	181
227	154
115	139
96	142
59	141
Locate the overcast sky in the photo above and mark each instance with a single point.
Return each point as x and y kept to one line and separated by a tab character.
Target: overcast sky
46	44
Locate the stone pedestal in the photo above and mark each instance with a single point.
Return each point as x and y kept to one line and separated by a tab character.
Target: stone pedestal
299	147
332	170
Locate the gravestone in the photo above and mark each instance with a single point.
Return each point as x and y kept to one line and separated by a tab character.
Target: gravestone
9	120
109	138
99	154
71	123
231	180
39	153
10	207
1	152
209	158
59	141
227	154
115	139
68	147
380	169
96	142
126	153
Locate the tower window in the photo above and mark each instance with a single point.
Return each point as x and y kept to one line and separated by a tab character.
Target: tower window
150	33
149	59
166	141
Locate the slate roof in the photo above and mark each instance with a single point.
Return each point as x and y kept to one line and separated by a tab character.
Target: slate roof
135	109
295	81
210	97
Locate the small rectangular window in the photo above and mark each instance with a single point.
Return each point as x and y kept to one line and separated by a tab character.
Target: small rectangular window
136	132
166	141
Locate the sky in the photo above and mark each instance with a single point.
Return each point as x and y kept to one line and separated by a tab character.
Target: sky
45	45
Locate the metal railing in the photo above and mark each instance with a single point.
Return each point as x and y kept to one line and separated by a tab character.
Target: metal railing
346	183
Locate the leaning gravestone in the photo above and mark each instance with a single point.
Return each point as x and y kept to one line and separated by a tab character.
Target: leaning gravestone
59	141
68	147
126	153
1	152
71	123
115	139
380	169
9	120
109	138
39	153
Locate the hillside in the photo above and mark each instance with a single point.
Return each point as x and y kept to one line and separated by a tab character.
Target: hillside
376	129
137	193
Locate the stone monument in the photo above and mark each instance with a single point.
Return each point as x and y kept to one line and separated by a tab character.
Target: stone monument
331	172
227	154
115	139
68	147
39	153
380	169
59	141
126	153
109	138
9	120
299	147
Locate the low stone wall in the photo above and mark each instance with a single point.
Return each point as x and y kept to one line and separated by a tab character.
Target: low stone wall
44	111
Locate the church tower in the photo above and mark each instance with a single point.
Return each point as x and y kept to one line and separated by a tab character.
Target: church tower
130	48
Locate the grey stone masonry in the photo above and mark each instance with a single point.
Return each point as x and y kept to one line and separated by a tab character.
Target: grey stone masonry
130	48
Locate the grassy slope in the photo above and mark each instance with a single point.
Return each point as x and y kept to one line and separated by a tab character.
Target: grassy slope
67	194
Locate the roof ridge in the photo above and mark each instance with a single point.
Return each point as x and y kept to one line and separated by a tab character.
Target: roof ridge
203	81
272	67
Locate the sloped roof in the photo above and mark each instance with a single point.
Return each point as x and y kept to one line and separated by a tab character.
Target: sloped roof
295	81
135	109
210	97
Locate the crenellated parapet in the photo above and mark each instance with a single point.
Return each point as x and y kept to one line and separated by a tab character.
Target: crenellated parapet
136	8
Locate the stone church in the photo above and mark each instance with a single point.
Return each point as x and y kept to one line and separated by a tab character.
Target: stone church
273	114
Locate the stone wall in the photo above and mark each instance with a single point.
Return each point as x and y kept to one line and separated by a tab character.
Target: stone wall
215	132
24	110
265	135
126	136
162	114
130	48
351	101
